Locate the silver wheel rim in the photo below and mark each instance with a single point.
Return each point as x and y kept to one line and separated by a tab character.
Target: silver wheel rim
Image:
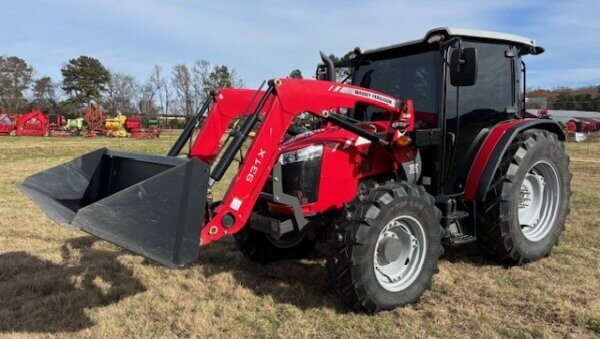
399	253
538	201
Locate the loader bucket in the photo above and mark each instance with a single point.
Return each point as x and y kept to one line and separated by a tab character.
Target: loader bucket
150	205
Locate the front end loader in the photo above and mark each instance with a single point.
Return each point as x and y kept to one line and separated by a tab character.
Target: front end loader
127	199
423	144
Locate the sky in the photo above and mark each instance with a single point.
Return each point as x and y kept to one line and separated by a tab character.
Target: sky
267	39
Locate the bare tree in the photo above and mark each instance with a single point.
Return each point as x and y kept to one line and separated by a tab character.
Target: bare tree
206	77
121	93
167	95
200	72
145	99
162	87
183	84
236	80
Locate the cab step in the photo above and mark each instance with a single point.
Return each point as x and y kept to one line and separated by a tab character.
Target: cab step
460	239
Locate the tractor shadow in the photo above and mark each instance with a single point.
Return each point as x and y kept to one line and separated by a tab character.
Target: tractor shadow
301	283
42	296
468	254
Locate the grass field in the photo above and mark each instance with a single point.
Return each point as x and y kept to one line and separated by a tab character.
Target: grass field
57	282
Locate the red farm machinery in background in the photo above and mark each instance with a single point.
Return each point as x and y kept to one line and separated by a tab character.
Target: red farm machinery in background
140	128
34	123
95	120
7	124
57	126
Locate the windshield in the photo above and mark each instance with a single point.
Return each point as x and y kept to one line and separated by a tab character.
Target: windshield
415	76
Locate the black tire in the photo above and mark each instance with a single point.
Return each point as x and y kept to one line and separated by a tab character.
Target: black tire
352	243
499	229
260	247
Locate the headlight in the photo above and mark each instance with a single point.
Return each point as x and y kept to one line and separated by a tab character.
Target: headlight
303	154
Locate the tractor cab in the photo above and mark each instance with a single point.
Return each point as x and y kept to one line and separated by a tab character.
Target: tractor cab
462	82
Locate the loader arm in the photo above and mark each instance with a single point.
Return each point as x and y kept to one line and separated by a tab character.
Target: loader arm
228	105
283	101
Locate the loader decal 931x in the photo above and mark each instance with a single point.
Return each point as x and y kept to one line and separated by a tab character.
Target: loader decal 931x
422	146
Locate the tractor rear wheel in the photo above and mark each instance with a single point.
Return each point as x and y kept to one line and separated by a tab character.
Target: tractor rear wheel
263	248
384	248
525	209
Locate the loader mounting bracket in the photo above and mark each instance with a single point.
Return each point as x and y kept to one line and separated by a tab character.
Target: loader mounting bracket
280	197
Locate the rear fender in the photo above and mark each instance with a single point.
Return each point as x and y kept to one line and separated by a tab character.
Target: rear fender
494	147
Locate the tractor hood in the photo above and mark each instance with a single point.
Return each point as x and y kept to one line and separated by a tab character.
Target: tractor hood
315	161
333	137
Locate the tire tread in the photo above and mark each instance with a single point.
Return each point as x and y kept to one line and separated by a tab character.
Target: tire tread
495	234
344	275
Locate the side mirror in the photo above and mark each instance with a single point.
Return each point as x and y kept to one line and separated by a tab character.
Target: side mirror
463	67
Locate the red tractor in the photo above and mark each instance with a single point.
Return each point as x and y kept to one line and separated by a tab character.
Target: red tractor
424	145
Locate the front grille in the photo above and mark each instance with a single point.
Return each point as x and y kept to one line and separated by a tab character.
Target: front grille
301	179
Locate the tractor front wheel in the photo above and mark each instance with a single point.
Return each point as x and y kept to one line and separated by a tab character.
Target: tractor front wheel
524	211
384	249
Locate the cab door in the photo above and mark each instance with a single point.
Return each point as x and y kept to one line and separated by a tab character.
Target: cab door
480	106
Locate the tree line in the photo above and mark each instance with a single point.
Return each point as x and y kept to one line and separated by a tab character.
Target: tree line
178	91
575	99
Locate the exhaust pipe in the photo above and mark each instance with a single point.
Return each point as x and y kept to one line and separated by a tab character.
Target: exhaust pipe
329	65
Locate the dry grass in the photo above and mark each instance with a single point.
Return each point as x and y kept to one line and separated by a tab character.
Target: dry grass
56	282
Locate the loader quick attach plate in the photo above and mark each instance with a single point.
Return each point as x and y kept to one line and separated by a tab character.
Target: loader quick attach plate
150	205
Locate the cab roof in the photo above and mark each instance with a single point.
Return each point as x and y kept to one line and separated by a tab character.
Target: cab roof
437	34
